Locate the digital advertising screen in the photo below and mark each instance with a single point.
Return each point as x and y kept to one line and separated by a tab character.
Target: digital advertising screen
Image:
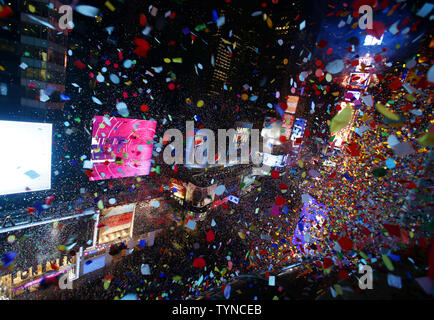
121	147
273	160
352	95
292	103
298	130
287	123
358	81
365	63
273	130
25	162
200	197
243	131
178	188
93	264
115	222
195	144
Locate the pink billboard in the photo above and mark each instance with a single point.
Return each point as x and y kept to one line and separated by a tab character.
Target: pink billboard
121	147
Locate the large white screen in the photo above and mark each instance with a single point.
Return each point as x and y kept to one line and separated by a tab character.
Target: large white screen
25	161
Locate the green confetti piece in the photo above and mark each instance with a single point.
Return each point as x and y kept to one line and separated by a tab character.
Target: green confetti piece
387	262
100	205
364	256
200	27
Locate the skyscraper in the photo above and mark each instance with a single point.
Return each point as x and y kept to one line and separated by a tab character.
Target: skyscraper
33	56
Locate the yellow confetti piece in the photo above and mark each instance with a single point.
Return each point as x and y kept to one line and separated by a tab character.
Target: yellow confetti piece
2	68
32	8
426	140
200	103
167	60
341	120
300	163
110	6
386	112
338	289
269	23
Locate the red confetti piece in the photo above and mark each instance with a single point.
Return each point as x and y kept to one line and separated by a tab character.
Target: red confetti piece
199	263
377	31
5	12
327	262
280	201
275	174
210	236
345	243
79	64
343	274
143	20
392	230
322	44
395	84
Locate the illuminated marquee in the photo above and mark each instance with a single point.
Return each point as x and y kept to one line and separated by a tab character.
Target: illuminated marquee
298	131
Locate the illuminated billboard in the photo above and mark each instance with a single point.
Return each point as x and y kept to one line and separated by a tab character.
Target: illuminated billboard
365	64
273	130
287	123
273	160
298	131
291	104
357	81
200	197
121	147
352	95
25	163
177	187
93	265
115	222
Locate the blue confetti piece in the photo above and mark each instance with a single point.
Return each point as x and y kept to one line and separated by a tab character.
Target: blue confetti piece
214	15
394	257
